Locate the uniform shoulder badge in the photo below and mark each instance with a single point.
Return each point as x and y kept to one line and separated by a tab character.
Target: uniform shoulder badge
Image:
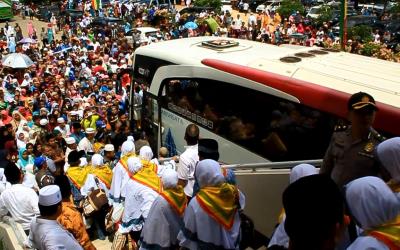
369	147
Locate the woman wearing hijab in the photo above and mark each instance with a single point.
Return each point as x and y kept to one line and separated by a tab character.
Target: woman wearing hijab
165	218
141	191
211	220
389	155
376	210
22	138
30	28
24	159
146	157
100	174
280	237
121	172
17	121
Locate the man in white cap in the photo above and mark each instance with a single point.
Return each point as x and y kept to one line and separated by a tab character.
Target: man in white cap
63	128
109	155
86	144
71	146
46	232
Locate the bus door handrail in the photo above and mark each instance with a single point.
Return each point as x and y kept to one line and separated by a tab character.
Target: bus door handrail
272	165
264	165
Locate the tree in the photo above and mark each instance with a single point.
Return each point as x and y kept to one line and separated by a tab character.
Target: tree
362	33
216	4
325	15
289	6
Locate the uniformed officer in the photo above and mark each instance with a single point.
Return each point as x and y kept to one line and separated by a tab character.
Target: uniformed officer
350	154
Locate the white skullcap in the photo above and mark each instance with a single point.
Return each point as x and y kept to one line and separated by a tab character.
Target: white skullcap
134	164
60	120
169	178
89	130
49	195
130	138
70	140
146	153
44	122
109	147
97	160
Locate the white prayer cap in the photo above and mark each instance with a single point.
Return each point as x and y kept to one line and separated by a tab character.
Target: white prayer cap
109	147
130	138
44	122
169	178
134	164
89	131
49	195
60	120
70	140
146	153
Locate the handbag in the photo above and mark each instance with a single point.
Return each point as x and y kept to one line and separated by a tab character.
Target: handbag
95	201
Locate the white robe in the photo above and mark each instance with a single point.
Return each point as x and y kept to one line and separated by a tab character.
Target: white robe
161	227
138	202
119	180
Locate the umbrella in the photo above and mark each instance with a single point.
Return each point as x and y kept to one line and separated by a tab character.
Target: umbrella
27	40
190	25
17	61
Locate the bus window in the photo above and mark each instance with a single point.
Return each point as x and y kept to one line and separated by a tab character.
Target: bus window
272	127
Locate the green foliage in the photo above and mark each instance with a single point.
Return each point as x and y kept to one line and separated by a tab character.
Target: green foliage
362	33
216	4
326	14
395	9
289	6
370	49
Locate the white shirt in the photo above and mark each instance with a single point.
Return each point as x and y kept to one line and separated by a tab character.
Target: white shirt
21	202
252	19
66	131
90	184
49	235
186	167
119	180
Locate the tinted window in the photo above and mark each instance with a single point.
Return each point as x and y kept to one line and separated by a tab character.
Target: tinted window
269	126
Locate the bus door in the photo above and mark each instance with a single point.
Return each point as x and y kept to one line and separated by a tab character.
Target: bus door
151	120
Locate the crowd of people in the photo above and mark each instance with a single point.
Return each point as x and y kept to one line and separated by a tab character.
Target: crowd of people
74	167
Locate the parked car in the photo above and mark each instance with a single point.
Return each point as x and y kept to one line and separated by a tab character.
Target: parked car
271	5
106	21
358	20
145	33
195	10
45	12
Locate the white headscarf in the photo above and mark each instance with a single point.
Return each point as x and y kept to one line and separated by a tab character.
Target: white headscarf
146	153
208	173
389	155
134	164
372	202
97	160
302	170
127	147
169	178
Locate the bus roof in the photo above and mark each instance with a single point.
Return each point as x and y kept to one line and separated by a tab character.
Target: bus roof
340	73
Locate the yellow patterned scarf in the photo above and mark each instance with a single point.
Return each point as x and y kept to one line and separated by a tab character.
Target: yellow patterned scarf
394	186
149	178
104	174
221	203
151	165
78	175
124	162
176	198
388	234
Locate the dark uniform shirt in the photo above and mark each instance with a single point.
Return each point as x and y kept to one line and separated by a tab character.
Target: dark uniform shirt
346	160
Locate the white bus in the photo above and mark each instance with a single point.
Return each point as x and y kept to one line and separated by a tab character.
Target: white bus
260	102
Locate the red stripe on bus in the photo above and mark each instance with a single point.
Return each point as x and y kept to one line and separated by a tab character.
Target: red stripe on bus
310	94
